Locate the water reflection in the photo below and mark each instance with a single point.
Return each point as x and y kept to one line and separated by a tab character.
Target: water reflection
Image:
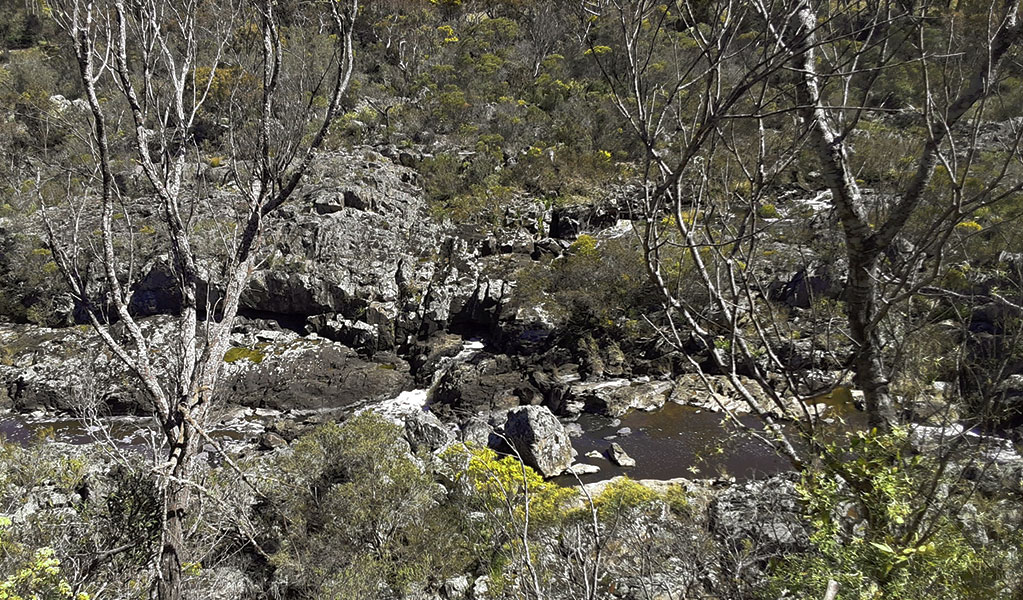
129	433
684	441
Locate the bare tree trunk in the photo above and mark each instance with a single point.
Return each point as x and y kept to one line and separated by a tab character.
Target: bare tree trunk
861	310
866	243
863	255
173	551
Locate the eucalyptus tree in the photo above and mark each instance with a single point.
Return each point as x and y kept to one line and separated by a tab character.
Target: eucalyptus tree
730	98
168	84
952	88
877	111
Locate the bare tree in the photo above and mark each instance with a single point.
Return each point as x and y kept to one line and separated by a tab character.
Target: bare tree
693	224
947	99
151	71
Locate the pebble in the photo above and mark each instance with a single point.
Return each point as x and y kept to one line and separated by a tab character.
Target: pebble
583	469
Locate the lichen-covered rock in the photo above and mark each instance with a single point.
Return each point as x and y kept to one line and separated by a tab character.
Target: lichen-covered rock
69	368
616	454
764	513
313	374
424	430
484	383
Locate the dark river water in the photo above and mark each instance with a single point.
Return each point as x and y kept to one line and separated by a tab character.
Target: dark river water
677	441
684	441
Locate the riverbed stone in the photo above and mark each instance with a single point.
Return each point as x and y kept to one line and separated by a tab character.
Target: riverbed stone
424	430
615	397
583	469
313	374
483	383
617	455
269	440
992	461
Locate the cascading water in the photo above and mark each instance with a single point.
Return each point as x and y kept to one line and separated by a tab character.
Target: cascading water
412	401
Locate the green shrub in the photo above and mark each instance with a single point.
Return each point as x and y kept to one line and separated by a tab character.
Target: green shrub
504	486
81	505
768	211
30	286
36	575
601	286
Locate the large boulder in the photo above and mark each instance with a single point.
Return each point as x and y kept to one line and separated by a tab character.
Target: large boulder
355	241
425	431
540	439
359	248
484	383
66	369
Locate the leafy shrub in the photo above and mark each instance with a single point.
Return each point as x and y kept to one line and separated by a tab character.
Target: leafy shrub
35	574
506	487
80	506
596	285
875	534
768	211
30	287
354	515
622	495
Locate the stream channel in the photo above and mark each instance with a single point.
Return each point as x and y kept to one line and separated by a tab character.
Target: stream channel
675	441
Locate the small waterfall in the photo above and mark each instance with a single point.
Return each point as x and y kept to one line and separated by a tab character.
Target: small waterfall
412	401
469	349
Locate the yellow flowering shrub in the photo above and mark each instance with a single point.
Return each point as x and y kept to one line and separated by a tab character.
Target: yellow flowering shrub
504	484
36	576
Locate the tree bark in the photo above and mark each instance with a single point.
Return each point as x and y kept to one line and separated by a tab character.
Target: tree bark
865	245
868	366
863	256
